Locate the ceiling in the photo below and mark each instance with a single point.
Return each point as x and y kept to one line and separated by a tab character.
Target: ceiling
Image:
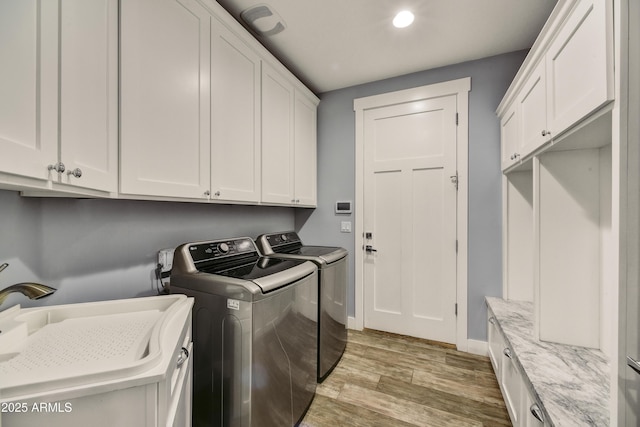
331	44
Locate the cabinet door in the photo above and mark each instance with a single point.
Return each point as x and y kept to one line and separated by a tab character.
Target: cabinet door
277	138
28	87
531	413
88	92
532	112
579	65
512	387
164	106
235	117
305	151
496	345
509	137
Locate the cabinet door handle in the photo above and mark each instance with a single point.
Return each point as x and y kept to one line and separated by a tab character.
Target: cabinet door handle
545	133
633	364
507	352
58	167
492	320
77	172
537	412
183	356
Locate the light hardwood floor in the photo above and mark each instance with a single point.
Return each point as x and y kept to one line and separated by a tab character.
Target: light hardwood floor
391	380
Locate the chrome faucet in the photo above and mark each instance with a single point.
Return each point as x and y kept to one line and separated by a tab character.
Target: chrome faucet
29	289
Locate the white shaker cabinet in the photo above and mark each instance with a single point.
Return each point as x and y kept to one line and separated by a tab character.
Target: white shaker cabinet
235	117
277	138
164	106
509	137
580	65
58	110
570	78
305	131
288	142
89	93
28	84
532	112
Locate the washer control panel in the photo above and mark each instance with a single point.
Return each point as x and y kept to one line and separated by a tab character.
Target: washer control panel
278	239
207	251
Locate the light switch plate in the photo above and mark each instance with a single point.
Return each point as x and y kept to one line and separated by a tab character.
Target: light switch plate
345	227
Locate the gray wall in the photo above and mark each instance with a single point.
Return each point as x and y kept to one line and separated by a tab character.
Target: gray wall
106	249
490	79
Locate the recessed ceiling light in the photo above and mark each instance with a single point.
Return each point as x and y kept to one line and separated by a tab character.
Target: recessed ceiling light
403	19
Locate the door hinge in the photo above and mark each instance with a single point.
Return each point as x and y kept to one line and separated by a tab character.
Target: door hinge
454	180
456	308
456	119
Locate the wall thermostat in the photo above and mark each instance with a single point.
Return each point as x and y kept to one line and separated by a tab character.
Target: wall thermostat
343	207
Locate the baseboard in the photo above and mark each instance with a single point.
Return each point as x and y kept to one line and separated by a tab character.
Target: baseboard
480	348
353	324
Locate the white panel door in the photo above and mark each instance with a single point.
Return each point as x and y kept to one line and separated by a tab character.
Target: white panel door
89	92
28	87
410	209
277	138
235	117
305	151
165	105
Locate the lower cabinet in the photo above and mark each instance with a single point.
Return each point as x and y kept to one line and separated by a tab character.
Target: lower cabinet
523	408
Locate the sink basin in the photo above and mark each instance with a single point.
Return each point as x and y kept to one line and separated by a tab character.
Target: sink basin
69	345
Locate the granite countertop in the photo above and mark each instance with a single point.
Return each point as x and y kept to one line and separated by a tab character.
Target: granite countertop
571	383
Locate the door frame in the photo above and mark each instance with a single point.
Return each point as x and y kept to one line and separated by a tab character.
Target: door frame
460	88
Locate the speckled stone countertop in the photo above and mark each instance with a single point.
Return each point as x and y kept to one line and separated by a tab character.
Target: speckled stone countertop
571	383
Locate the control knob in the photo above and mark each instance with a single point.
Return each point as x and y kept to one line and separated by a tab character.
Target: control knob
284	237
223	248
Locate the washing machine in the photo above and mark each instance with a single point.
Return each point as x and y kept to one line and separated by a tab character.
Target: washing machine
332	291
254	333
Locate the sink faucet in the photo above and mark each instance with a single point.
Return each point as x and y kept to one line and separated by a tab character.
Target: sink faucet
31	290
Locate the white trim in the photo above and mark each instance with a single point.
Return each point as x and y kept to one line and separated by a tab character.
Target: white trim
481	348
460	88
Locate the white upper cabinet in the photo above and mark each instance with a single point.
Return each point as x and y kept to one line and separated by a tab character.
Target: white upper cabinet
89	93
288	142
580	65
305	135
277	138
570	77
28	84
59	86
509	137
235	117
164	106
532	112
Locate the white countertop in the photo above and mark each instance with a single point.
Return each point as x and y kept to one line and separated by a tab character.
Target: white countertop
571	383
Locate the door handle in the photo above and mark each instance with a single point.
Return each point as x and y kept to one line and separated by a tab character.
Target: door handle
370	249
633	364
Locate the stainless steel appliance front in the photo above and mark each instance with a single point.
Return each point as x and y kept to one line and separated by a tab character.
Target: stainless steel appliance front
255	334
332	291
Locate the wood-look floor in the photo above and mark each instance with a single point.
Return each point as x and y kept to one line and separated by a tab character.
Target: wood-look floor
391	380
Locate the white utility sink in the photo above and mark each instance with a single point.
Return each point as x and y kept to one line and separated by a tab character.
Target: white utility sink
49	348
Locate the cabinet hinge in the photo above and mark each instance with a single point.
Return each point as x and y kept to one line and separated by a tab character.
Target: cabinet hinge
456	119
455	308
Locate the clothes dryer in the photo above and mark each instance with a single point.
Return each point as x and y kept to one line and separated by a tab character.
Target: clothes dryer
332	291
